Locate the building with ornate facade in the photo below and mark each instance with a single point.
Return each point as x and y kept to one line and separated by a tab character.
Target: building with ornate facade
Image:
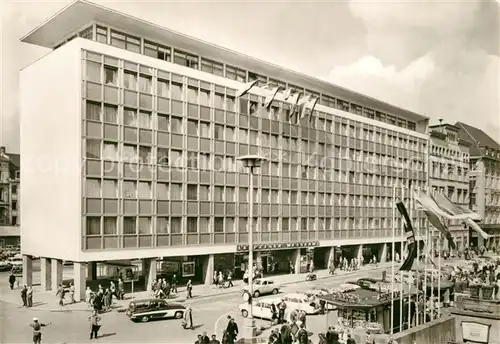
9	198
484	181
152	131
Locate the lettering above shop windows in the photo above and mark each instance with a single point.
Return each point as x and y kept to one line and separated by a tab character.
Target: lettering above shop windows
280	246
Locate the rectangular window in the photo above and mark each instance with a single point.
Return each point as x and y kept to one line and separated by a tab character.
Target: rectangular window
110	151
243	224
144	120
130	153
163	122
212	67
93	71
118	40
93	226
163	88
93	149
102	35
205	130
176	90
129	225
243	194
144	154
144	190
192	225
229	225
162	225
192	192
176	225
219	194
219	225
130	117
145	225
109	189
110	76
145	85
176	125
110	114
93	111
204	97
93	188
157	51
204	192
176	192
130	80
129	190
177	158
229	194
236	74
186	59
192	94
162	191
192	128
110	225
162	157
219	132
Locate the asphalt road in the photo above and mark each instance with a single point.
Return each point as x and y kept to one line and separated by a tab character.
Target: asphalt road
209	314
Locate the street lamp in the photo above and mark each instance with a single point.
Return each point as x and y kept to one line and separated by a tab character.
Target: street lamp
251	162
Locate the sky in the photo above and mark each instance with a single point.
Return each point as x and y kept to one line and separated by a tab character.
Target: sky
438	58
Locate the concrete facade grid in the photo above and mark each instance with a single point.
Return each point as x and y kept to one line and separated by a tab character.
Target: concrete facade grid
123	135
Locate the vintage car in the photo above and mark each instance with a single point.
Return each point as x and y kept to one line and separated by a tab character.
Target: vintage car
299	301
5	266
154	309
263	286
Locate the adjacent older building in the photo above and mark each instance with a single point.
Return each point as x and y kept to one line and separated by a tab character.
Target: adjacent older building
139	135
449	174
484	181
9	198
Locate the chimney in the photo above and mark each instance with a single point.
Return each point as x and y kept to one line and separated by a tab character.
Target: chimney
2	150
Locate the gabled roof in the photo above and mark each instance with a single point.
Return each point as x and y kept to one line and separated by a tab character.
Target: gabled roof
478	138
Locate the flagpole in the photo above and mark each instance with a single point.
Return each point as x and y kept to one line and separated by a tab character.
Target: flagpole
439	278
393	255
431	298
410	272
417	277
401	273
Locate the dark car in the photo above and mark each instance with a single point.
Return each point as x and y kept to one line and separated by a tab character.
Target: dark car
153	309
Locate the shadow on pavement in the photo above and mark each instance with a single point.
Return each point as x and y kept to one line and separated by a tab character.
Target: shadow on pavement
107	335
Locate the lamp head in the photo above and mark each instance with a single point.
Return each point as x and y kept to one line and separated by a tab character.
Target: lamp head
251	160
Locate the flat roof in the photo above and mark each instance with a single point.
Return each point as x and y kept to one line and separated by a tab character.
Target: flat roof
79	13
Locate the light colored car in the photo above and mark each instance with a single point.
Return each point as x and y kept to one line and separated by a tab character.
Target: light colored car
16	261
263	286
261	309
301	302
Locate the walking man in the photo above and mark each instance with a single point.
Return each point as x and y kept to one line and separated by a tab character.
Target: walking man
95	324
12	281
24	296
174	284
71	293
29	297
37	330
189	289
61	293
230	279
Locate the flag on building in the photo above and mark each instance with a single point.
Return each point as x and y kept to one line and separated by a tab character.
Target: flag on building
310	104
410	238
271	96
294	102
245	88
287	94
453	210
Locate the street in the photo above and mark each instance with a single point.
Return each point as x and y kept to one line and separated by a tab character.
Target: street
209	314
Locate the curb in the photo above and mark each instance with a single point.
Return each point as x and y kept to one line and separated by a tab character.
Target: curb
201	297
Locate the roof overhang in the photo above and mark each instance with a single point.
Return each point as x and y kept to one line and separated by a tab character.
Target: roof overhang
79	13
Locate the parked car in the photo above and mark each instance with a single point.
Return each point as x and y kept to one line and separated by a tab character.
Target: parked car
263	286
5	266
301	302
261	309
153	309
16	261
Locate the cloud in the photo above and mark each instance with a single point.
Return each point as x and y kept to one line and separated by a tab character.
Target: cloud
436	58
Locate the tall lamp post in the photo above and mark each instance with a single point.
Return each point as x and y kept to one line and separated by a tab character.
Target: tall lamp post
251	162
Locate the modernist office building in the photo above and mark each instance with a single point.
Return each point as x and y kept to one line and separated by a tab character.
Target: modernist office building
449	175
484	181
133	133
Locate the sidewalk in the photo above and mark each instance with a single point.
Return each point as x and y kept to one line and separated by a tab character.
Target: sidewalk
48	302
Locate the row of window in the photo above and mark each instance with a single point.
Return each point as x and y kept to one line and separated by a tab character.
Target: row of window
108	225
312	155
109	188
448	153
193	61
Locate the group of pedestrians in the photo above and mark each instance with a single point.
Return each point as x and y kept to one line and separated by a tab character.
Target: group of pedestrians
221	280
102	300
203	339
27	296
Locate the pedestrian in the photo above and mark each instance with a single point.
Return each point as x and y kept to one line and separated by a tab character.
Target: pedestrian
286	334
98	300
215	279
112	288
187	322
71	293
205	339
282	308
199	340
350	340
37	330
189	289
29	297
214	340
274	314
121	289
230	279
24	296
88	295
61	293
273	337
95	324
12	281
174	284
107	299
232	330
302	335
225	337
221	280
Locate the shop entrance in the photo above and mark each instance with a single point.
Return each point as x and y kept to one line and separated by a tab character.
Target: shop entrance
372	251
277	262
321	257
184	268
